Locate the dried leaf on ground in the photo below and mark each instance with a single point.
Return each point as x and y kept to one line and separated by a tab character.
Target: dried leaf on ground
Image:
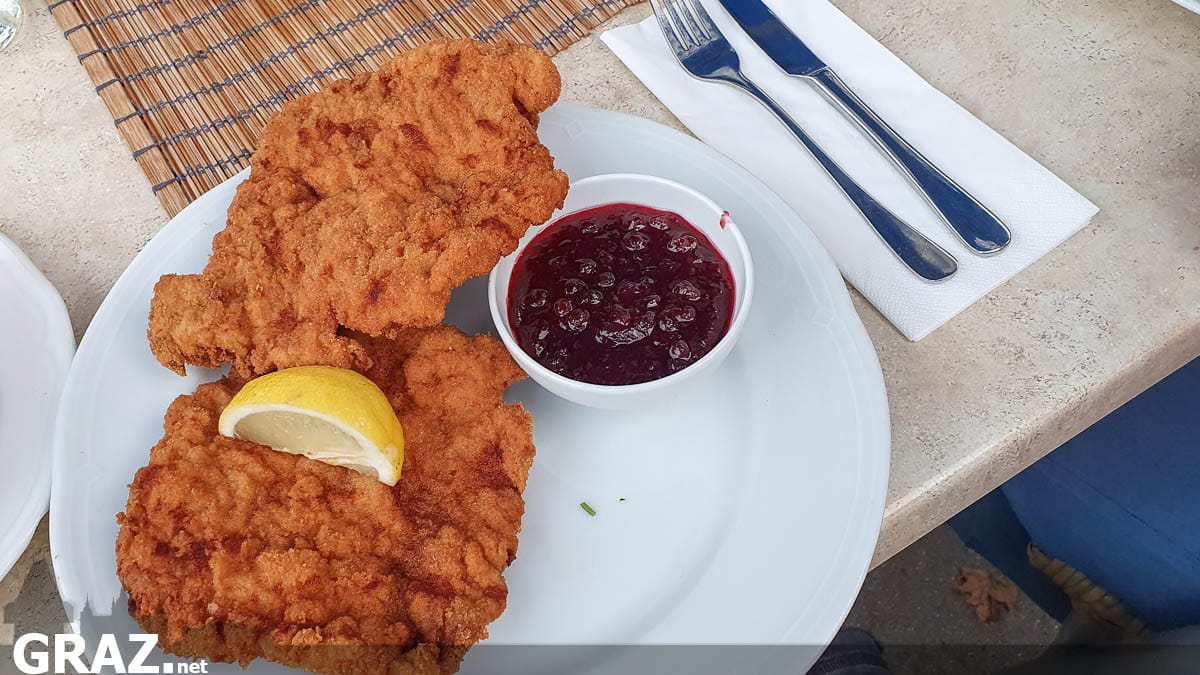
990	599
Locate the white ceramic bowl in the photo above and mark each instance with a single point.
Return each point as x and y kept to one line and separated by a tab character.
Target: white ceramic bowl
658	193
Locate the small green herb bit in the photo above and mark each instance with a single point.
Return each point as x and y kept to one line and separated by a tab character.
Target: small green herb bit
587	508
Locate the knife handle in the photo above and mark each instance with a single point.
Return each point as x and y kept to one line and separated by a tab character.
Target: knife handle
978	227
921	255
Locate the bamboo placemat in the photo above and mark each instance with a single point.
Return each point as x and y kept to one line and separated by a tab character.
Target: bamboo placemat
190	83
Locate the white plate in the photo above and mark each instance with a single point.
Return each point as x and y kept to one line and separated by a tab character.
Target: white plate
751	507
36	344
1193	5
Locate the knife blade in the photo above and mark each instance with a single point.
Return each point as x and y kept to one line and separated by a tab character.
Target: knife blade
761	24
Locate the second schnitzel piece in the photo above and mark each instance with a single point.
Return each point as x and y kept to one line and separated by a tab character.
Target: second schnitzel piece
233	551
367	203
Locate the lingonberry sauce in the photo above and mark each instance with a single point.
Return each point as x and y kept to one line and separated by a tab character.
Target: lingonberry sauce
620	294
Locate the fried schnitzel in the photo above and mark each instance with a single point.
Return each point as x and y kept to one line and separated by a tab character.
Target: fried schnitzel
232	551
367	203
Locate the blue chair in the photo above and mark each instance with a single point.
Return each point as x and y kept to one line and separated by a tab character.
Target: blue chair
1120	502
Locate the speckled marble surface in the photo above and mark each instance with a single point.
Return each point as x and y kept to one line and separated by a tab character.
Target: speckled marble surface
1103	93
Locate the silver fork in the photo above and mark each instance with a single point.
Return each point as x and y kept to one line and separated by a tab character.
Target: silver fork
705	54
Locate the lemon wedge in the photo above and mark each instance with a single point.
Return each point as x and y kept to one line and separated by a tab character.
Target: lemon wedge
332	415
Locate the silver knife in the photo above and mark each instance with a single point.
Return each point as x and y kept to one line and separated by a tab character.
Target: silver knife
978	227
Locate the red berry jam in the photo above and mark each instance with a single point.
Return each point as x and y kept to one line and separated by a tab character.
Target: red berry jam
620	294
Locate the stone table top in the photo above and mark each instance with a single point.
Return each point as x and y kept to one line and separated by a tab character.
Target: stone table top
1103	93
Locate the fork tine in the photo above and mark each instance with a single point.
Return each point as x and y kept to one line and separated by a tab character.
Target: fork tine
693	39
698	19
668	30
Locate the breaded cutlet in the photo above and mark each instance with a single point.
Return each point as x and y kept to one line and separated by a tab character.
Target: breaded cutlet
367	203
233	551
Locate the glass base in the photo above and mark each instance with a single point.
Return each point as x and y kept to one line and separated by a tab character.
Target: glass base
10	21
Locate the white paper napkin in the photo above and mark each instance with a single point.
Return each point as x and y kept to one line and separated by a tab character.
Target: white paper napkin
1039	208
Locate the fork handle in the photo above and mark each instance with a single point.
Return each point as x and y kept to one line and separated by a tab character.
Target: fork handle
924	257
978	227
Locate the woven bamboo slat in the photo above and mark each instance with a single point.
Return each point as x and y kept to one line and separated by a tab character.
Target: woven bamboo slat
190	83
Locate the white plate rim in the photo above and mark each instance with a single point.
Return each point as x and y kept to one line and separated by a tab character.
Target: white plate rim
55	362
